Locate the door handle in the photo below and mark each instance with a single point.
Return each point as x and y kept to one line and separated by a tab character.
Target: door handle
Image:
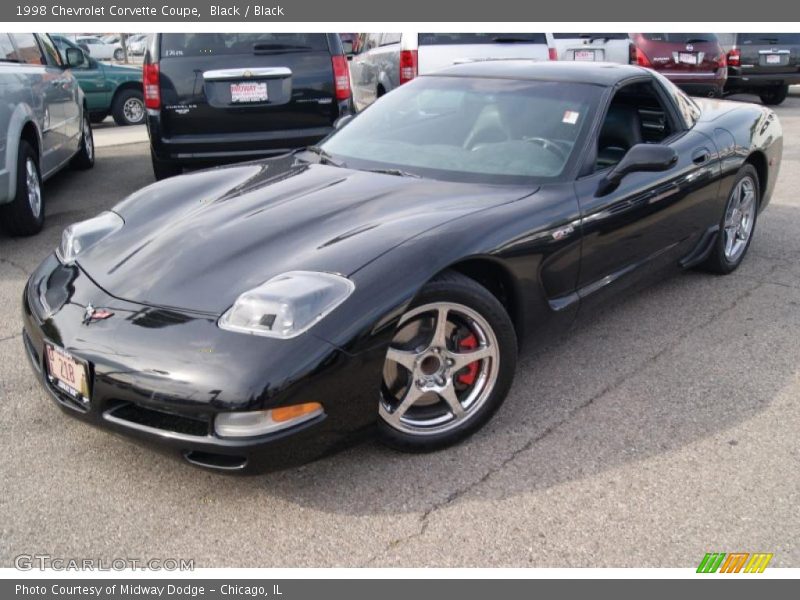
701	156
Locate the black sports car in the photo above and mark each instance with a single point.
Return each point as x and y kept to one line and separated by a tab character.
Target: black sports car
261	314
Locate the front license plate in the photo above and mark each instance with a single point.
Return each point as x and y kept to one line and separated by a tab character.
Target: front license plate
249	92
584	54
687	58
67	373
773	59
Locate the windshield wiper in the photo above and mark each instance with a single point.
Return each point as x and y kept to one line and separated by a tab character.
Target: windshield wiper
259	48
512	40
324	157
696	41
398	172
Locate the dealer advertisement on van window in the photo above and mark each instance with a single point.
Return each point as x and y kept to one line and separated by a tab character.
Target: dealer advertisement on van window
359	299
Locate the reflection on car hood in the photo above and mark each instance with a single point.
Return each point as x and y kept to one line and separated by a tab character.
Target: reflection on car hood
198	241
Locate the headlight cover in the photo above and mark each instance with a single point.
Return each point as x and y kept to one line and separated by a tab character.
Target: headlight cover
82	235
287	305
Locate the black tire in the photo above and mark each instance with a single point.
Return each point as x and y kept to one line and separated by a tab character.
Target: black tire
84	159
97	117
20	217
122	111
774	96
163	169
119	54
458	290
718	261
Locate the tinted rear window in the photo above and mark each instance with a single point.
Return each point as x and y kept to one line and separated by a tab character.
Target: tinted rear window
767	38
214	44
681	38
591	36
442	39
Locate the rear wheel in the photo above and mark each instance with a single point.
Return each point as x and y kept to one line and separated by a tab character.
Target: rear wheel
25	214
163	169
128	108
774	96
449	366
119	55
738	223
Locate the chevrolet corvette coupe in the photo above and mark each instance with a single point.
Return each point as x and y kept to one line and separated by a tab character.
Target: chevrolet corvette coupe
262	314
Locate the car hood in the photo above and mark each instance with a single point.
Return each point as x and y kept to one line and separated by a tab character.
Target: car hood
198	241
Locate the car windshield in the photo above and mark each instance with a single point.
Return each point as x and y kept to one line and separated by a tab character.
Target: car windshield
681	38
471	129
211	44
768	38
447	39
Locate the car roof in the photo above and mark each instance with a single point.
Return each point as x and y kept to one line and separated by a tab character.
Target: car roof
605	74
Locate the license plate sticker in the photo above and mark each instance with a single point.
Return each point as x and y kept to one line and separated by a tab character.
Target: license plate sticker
584	54
773	59
687	58
249	92
67	373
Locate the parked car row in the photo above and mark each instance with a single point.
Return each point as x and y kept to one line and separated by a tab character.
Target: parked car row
697	62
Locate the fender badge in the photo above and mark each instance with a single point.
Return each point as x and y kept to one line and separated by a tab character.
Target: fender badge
92	314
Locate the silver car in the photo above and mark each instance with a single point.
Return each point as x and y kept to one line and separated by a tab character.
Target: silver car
43	124
593	47
383	61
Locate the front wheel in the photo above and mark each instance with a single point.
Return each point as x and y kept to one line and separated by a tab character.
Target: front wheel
119	55
448	368
84	159
774	96
738	223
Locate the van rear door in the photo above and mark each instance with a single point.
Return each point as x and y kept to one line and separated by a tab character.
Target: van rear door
245	84
439	50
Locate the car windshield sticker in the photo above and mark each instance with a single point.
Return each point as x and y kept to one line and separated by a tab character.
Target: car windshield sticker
570	117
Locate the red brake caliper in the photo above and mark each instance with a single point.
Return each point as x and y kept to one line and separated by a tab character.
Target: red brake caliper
470	372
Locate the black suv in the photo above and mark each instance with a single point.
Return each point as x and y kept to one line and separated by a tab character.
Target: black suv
765	64
222	97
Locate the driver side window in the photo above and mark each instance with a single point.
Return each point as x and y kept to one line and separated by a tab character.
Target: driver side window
636	115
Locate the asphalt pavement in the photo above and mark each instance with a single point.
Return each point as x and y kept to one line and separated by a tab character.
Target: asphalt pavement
662	428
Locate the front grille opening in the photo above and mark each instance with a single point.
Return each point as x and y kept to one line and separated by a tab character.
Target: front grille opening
164	421
210	460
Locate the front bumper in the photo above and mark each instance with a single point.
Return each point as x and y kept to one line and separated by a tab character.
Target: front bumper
159	376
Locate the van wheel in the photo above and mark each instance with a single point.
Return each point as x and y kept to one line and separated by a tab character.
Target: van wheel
25	214
163	169
774	96
84	159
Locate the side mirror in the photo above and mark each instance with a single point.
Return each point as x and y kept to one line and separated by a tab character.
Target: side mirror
342	121
75	57
640	158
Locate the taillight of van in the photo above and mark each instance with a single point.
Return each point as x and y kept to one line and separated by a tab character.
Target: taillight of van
152	85
341	77
735	57
408	65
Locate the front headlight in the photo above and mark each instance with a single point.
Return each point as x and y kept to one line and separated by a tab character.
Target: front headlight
287	305
81	236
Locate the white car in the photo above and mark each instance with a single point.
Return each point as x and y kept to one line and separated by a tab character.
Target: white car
137	44
99	49
593	47
383	61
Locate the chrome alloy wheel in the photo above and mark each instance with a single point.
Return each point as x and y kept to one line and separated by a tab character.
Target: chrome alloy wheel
739	218
88	138
440	369
34	188
133	110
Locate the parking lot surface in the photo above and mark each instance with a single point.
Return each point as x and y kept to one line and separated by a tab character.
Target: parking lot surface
661	429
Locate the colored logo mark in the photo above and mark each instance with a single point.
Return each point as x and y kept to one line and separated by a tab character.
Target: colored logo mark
734	562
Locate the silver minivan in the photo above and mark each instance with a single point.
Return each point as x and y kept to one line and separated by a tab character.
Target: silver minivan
43	124
383	61
593	47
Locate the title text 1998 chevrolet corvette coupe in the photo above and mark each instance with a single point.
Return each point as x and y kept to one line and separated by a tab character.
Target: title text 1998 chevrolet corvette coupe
261	314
